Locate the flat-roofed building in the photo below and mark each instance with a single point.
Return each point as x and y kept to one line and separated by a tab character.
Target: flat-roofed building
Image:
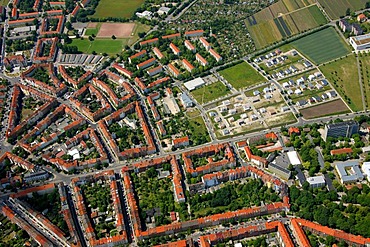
317	181
341	129
349	172
194	84
361	42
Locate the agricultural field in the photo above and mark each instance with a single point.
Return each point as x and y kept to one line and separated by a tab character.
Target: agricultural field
210	92
267	27
331	108
322	46
343	75
108	46
337	8
242	75
116	9
4	2
365	75
279	8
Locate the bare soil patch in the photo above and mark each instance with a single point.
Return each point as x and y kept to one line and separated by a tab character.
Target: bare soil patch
120	30
330	108
92	25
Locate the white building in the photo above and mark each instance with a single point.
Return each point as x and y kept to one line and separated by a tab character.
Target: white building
366	170
361	42
317	181
194	84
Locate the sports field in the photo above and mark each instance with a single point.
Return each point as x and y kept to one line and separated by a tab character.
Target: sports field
108	46
210	92
120	30
322	46
337	8
343	75
242	75
117	9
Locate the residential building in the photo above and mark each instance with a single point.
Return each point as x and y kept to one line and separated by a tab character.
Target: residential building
156	70
205	43
344	25
158	53
201	60
149	42
137	56
122	70
190	46
175	49
194	33
181	142
215	55
173	70
146	63
187	65
172	36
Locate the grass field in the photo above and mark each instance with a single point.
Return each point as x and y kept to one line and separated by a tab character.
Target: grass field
343	75
108	46
91	31
338	8
327	109
242	75
199	133
322	46
365	70
210	92
117	9
281	120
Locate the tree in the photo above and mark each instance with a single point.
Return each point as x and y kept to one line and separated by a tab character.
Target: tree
348	11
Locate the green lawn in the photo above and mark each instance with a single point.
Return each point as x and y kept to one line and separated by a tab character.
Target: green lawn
343	75
108	46
210	92
365	70
91	31
322	46
117	9
242	75
199	133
